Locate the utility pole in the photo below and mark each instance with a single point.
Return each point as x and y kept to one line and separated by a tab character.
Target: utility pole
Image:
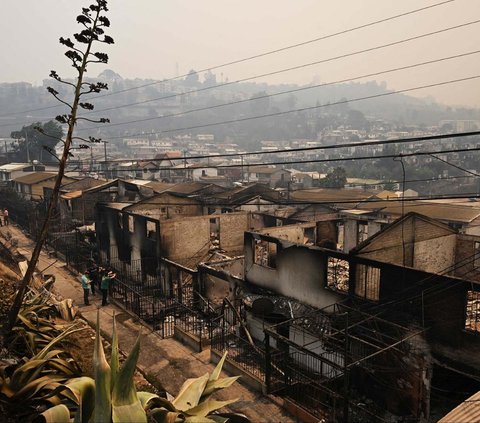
91	160
106	164
26	144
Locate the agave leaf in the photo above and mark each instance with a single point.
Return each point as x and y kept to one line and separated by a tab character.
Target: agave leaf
197	419
103	406
114	359
84	390
213	386
146	397
159	415
206	407
190	393
57	339
35	386
126	407
152	401
218	419
57	414
218	368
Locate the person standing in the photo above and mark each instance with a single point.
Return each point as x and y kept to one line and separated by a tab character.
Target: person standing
94	273
5	217
1	217
86	282
105	285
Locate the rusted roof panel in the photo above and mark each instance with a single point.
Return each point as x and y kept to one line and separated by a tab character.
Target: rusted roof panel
467	412
34	178
448	212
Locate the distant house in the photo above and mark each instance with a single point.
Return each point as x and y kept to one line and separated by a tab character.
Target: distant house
272	176
30	186
11	171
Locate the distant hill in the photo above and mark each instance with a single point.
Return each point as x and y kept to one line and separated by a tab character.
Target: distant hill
178	98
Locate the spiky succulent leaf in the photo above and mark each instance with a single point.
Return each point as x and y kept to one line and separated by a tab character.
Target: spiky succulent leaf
197	419
159	415
151	401
216	385
190	393
126	406
102	371
114	359
206	407
218	369
57	414
84	390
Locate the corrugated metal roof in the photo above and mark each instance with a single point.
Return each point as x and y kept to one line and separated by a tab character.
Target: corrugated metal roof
13	166
34	178
467	412
446	212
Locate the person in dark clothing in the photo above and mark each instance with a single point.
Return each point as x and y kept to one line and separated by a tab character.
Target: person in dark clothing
105	286
94	272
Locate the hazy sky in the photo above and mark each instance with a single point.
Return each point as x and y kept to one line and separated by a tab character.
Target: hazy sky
155	38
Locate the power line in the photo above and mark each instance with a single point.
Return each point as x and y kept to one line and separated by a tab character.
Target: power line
304	149
254	56
303	109
310	87
420	201
337	159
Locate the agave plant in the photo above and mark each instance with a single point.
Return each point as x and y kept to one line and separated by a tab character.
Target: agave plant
35	328
27	383
112	396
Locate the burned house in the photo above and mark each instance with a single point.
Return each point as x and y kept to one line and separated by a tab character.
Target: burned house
402	326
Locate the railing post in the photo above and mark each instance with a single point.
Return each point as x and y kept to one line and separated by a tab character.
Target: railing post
268	363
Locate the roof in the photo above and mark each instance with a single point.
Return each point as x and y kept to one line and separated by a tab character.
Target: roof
66	180
82	184
34	178
13	166
267	170
330	195
446	212
398	222
78	193
467	412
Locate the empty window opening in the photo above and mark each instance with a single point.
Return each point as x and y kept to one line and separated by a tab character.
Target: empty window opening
337	274
362	231
130	224
120	220
215	229
472	312
265	253
476	259
151	229
367	282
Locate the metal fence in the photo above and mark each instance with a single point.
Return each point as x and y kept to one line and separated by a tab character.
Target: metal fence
250	358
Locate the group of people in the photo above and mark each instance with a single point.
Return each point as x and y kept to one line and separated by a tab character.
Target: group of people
3	217
96	277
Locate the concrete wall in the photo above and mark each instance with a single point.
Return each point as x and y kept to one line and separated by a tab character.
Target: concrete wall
435	255
299	273
232	228
464	255
292	233
428	246
185	238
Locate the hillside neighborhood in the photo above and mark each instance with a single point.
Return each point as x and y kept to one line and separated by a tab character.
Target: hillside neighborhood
315	293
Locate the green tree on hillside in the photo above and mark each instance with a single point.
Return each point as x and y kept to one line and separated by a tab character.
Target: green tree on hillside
335	179
32	140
